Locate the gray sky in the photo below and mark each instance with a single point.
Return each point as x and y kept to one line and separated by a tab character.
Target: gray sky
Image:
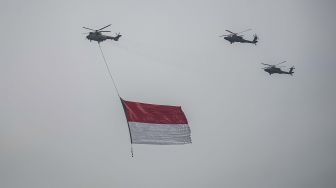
62	126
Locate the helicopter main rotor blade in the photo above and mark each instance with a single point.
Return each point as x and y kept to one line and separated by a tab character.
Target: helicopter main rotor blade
281	62
267	64
89	29
104	27
230	31
104	31
223	35
244	31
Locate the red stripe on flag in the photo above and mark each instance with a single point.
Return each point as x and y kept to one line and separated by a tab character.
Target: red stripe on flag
153	113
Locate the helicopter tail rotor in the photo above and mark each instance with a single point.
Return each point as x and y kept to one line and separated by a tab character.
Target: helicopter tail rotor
116	38
291	70
255	39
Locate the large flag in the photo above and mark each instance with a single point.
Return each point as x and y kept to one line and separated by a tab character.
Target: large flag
156	124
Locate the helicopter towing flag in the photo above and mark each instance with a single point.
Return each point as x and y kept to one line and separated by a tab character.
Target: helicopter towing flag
156	124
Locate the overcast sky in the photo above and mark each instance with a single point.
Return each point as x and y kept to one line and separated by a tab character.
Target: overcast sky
62	125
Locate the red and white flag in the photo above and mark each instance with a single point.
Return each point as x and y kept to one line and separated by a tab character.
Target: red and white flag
156	124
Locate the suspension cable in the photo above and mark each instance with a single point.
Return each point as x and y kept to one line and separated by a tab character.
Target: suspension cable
115	86
109	71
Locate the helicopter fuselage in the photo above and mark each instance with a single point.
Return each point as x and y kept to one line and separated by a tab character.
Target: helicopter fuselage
276	70
234	38
96	36
237	38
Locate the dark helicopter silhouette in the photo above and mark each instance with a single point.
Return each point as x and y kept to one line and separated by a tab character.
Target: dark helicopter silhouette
234	37
97	35
272	69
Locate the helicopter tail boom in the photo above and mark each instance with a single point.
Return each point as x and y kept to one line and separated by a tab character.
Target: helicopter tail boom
116	38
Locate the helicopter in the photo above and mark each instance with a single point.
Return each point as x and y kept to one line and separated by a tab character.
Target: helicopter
97	35
272	69
235	37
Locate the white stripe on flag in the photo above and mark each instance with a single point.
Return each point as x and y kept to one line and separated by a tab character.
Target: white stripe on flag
160	134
